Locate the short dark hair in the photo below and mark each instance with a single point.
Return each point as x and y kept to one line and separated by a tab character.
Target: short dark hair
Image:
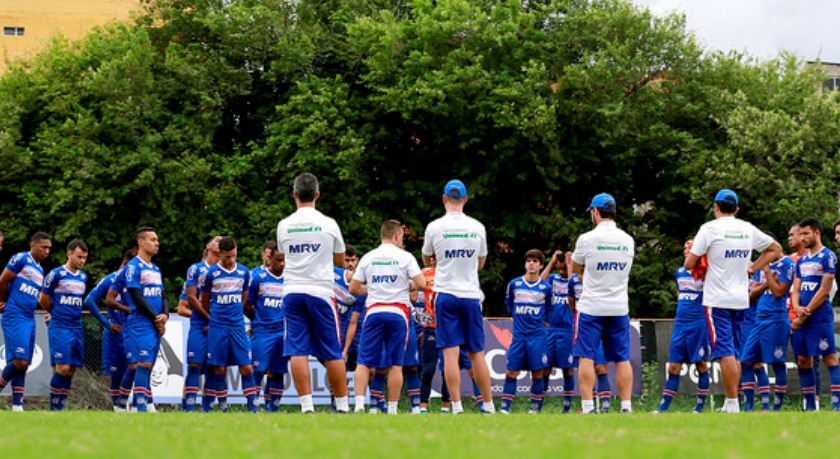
350	250
811	222
306	187
727	207
607	213
128	255
389	229
270	245
535	254
836	223
141	232
226	244
275	251
77	244
40	236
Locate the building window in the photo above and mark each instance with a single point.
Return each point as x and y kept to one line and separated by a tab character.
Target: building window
831	84
14	31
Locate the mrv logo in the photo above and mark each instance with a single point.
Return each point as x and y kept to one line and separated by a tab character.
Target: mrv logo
383	279
611	266
70	300
736	253
152	291
458	253
809	286
304	248
229	298
29	290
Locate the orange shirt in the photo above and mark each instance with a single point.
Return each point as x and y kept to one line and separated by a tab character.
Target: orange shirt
791	313
429	294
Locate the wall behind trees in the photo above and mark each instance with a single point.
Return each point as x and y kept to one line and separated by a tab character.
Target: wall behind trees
197	118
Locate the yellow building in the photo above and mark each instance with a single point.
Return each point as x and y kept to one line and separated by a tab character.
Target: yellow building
28	25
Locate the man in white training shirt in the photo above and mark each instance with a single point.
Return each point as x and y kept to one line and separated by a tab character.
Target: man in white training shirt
728	243
603	258
459	245
312	244
386	275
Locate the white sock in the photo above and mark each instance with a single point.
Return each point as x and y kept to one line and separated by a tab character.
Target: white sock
489	407
360	402
587	405
444	409
732	405
415	410
342	404
457	407
306	403
392	407
626	405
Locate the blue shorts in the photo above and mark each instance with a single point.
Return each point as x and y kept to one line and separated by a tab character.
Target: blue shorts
560	348
142	341
312	327
114	363
690	343
767	342
267	351
459	323
528	353
464	361
197	345
612	331
814	339
600	357
724	327
19	337
228	346
67	346
412	353
386	330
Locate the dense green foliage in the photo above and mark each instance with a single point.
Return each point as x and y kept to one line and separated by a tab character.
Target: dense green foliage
196	118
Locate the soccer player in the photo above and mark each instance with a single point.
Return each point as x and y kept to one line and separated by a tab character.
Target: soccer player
264	306
197	338
386	275
143	284
114	363
312	244
428	342
561	324
528	301
689	338
345	305
728	243
268	248
224	291
62	297
459	245
768	340
20	285
603	257
813	329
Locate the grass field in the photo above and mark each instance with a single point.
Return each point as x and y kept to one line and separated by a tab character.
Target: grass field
217	435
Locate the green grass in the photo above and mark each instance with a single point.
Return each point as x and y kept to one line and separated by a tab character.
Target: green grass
217	435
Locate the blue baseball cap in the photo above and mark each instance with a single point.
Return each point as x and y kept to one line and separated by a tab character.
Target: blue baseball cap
602	201
727	196
455	189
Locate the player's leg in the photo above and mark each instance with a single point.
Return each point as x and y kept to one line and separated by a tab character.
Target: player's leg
196	357
602	377
411	375
20	338
833	367
538	362
616	340
722	326
240	355
297	345
703	384
677	354
672	385
516	361
751	353
805	363
396	336
429	359
473	323
587	338
824	333
327	346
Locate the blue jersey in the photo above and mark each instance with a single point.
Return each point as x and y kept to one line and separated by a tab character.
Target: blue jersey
561	317
145	277
529	304
25	287
770	307
266	294
226	289
344	300
810	269
195	273
100	292
690	307
66	291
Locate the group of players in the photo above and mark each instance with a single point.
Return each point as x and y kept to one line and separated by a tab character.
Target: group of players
387	320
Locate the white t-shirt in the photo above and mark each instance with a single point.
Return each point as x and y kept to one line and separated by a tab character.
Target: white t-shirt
728	243
387	271
606	253
309	239
457	242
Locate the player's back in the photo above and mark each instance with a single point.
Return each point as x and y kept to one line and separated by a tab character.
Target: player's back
528	303
387	271
607	253
309	239
66	291
226	288
457	241
25	287
344	300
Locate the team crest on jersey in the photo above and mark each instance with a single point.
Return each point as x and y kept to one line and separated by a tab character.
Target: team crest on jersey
823	344
240	272
217	273
778	353
517	283
129	273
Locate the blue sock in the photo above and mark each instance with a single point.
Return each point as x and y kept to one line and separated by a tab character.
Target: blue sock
58	391
412	386
125	387
672	384
275	390
377	386
142	387
763	387
479	399
251	391
508	394
9	372
222	391
209	396
259	377
807	380
18	388
780	371
537	394
834	377
604	392
114	390
192	384
568	392
748	385
703	383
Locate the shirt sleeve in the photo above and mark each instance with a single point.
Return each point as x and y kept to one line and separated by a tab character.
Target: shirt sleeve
132	276
830	263
338	240
16	263
509	299
786	273
50	282
701	241
580	252
760	240
483	235
280	232
428	241
205	282
413	267
360	274
192	276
